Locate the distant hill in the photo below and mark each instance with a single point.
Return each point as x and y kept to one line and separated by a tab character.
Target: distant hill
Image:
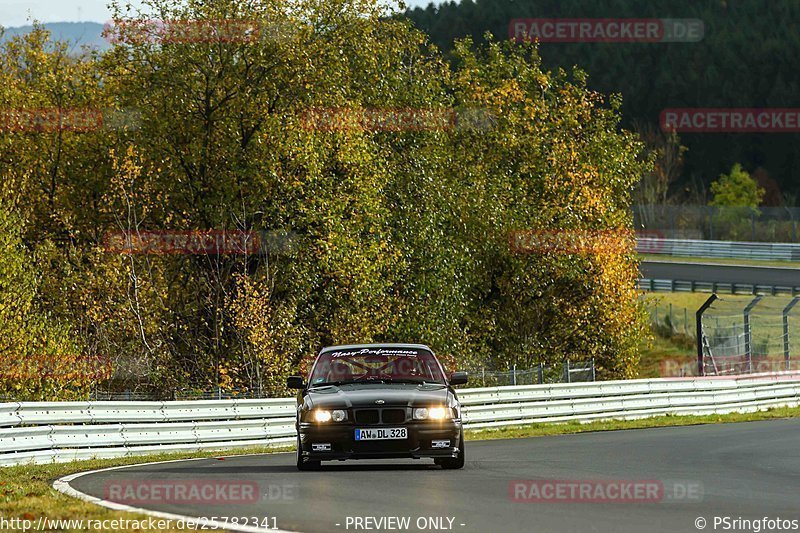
77	33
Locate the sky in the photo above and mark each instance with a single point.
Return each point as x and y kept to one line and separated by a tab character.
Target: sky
21	12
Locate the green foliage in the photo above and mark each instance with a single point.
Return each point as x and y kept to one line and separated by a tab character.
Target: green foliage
737	195
38	357
400	235
736	189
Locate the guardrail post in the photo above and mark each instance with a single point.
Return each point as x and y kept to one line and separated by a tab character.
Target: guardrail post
786	311
748	337
699	325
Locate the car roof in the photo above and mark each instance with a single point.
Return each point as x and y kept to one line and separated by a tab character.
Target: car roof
379	345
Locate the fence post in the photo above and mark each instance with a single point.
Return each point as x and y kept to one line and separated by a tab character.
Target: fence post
699	325
541	373
567	377
686	321
514	379
594	376
786	311
748	337
483	376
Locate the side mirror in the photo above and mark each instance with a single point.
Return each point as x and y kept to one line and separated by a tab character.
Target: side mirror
459	378
295	382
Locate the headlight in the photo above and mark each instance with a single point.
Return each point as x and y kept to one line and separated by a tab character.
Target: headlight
322	416
326	416
438	413
433	413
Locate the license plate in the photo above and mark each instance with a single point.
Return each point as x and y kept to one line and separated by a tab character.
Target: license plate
382	434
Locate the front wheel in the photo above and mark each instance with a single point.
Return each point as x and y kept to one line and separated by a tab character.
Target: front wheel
305	464
453	463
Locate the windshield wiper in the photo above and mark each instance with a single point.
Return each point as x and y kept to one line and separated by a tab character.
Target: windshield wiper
368	379
344	382
411	380
375	379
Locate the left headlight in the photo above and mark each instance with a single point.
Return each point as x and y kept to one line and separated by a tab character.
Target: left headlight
321	415
432	413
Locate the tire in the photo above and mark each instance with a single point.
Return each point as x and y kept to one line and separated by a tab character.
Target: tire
453	463
305	465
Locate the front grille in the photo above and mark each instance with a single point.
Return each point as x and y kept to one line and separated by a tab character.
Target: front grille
393	416
380	416
367	416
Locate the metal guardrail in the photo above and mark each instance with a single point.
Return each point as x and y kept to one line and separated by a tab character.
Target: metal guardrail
509	406
763	251
67	431
669	285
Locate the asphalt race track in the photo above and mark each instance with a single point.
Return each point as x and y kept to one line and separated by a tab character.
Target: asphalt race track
748	470
746	275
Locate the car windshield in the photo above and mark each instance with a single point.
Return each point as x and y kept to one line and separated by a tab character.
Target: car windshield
376	365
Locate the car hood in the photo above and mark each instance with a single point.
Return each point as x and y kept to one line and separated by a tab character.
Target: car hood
366	395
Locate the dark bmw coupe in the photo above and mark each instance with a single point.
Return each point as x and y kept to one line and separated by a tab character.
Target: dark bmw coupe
378	401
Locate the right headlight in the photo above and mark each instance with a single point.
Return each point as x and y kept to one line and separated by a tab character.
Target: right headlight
432	413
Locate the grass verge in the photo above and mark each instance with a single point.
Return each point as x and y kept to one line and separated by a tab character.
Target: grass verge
26	491
542	430
718	260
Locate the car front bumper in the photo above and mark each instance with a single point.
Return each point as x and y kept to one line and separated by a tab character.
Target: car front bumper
341	438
